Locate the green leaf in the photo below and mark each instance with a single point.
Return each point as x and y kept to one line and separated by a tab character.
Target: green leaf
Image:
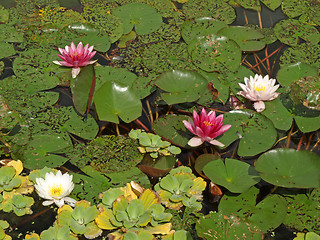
256	132
171	127
290	168
113	100
219	226
6	50
291	73
290	30
82	87
272	4
271	209
142	17
233	174
247	38
215	53
181	86
203	26
250	4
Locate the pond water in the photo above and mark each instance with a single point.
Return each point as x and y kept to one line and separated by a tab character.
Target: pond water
159	62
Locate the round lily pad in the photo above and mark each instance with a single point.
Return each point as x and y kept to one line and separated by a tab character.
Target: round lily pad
235	175
181	86
113	100
255	131
290	168
215	53
144	18
272	4
193	28
289	31
171	128
247	38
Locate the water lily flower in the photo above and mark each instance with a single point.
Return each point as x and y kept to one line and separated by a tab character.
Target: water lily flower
76	57
259	89
206	128
55	188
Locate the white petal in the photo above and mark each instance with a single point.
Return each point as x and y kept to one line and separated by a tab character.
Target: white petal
195	141
75	72
57	62
216	142
259	106
47	203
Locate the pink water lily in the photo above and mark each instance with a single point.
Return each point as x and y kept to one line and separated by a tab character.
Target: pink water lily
206	128
259	89
76	57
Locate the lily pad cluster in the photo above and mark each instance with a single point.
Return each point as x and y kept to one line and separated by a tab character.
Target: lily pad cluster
181	188
132	210
152	144
13	188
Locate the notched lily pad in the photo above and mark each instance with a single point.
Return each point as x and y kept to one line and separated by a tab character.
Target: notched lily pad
256	132
215	53
290	168
142	17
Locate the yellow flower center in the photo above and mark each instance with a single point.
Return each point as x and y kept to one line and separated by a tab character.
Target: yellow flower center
259	87
56	190
208	123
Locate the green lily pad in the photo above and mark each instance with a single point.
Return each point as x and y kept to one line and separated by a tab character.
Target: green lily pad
291	73
247	38
256	132
294	8
233	174
219	226
272	4
305	52
171	128
302	210
43	151
6	50
250	4
271	209
160	57
9	33
142	17
113	100
82	88
290	168
217	9
193	28
215	53
181	86
290	30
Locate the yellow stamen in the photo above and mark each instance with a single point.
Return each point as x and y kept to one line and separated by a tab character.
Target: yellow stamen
56	190
208	123
259	87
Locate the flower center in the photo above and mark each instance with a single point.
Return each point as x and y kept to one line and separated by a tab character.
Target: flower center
207	123
259	87
56	190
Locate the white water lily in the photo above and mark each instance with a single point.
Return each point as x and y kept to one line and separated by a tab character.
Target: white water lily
259	89
55	188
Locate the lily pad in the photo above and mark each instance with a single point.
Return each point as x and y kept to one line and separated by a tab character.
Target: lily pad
305	52
256	132
290	168
302	210
250	4
235	175
43	151
181	86
6	50
217	9
293	72
271	209
113	100
171	128
142	17
272	4
219	226
247	38
193	28
82	89
290	30
215	53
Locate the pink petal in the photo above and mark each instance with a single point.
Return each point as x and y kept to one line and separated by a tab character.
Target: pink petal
199	132
195	141
189	126
217	143
75	72
195	117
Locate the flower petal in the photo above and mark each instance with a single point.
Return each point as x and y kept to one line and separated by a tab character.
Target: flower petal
195	141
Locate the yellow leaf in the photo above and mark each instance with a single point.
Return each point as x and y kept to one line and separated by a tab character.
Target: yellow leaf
160	229
148	198
103	219
17	166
